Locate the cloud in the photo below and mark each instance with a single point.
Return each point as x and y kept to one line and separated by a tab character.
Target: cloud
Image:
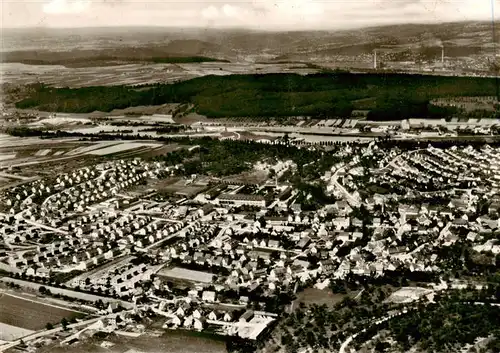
230	11
61	7
210	13
259	14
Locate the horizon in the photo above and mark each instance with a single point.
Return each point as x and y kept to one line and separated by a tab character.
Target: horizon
260	15
246	29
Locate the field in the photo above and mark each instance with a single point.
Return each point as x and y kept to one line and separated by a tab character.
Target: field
129	74
60	122
176	185
120	148
186	275
408	294
7	156
311	296
11	333
252	177
29	314
169	342
89	58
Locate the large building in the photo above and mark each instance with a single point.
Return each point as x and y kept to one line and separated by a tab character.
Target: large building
242	200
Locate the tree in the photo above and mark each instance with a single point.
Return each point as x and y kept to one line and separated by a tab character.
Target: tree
64	324
49	326
381	346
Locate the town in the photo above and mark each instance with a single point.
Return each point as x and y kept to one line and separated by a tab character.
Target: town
137	245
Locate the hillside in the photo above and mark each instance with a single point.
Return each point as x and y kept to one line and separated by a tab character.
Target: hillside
459	39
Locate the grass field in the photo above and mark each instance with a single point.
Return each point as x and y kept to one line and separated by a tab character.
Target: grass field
29	314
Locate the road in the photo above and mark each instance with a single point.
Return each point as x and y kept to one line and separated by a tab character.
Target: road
67	292
18	177
349	339
39	334
44	333
68	308
350	199
24	164
43	226
171	236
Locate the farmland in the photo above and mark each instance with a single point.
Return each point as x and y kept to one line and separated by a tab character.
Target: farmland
29	314
130	73
120	148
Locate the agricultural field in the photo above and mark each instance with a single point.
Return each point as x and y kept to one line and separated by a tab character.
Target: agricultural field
121	148
30	314
130	74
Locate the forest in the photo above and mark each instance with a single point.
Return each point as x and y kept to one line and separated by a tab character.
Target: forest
336	94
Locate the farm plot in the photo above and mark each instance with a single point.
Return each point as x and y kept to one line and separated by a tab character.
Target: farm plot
29	314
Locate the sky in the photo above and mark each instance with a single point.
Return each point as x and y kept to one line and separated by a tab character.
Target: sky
254	14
